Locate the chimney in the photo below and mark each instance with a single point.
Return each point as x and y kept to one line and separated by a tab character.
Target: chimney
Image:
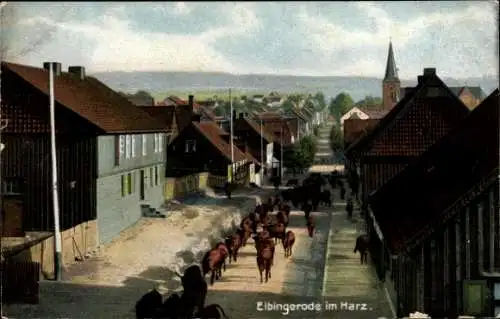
191	104
429	72
56	67
420	79
78	71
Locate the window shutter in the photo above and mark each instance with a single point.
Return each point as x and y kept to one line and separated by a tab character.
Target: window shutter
156	176
129	183
133	146
124	186
144	144
127	146
117	150
160	144
122	145
151	177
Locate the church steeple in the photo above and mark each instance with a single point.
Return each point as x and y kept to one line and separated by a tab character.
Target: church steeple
390	84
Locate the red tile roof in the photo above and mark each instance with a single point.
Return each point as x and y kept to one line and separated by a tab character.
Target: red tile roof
90	99
165	114
402	107
416	199
268	136
214	134
197	108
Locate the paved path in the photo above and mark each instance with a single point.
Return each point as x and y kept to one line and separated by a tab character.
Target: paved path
347	283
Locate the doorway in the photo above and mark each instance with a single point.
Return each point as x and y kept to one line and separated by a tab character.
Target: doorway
142	185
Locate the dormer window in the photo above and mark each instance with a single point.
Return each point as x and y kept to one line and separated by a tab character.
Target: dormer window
190	146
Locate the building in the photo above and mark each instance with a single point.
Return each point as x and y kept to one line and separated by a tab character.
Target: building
355	128
206	114
258	141
110	155
424	115
443	258
205	147
471	96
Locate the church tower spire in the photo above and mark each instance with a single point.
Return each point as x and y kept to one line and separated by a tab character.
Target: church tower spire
391	84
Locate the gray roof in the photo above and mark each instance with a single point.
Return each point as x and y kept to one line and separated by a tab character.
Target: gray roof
391	71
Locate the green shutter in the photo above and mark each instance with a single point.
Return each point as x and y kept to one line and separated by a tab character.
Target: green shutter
151	177
475	297
129	183
124	186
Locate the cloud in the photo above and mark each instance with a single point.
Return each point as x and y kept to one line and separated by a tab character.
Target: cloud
460	40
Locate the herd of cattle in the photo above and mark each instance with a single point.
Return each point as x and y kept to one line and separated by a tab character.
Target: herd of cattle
265	228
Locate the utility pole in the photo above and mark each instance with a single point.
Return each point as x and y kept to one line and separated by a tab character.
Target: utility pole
55	195
231	137
281	146
261	154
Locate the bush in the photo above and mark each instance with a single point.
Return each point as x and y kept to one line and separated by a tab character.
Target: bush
336	139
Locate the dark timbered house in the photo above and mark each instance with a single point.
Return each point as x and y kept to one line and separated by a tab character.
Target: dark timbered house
438	223
419	119
98	133
205	147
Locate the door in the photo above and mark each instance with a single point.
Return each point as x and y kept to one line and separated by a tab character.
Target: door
141	179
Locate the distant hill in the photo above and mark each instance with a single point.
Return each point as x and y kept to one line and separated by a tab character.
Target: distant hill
357	87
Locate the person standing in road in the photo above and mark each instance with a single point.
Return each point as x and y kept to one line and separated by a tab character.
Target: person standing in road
349	207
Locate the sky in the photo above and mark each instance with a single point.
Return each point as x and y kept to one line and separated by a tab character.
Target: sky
459	39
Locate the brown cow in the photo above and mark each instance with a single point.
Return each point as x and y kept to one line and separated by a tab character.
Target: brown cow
288	242
213	311
195	291
233	244
307	208
211	263
244	235
281	217
277	231
310	226
286	209
266	221
265	256
276	201
362	243
225	253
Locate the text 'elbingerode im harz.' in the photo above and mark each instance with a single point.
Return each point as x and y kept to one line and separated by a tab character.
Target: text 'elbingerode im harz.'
287	308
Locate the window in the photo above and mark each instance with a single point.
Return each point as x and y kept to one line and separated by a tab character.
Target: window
157	175
156	142
160	142
129	183
151	175
190	146
127	146
124	186
133	146
144	144
122	145
117	150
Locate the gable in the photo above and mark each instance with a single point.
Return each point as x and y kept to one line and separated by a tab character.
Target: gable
427	120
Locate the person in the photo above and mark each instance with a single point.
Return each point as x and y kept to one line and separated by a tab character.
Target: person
349	207
227	189
342	192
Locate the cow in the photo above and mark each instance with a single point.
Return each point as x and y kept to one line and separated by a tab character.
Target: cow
287	195
233	244
171	307
269	205
265	256
342	192
213	311
326	198
277	231
263	235
211	263
244	235
195	291
286	209
288	242
149	306
362	243
307	208
225	253
254	219
266	221
281	217
310	226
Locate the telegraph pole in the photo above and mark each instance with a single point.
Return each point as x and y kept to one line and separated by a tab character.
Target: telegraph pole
261	154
